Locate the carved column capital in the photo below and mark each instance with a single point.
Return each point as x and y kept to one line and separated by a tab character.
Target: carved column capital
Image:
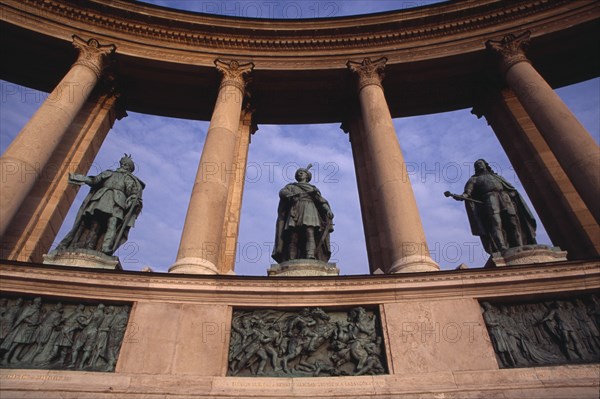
511	49
233	73
92	54
369	72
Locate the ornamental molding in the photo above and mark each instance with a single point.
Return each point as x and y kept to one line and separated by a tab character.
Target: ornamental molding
369	72
511	49
233	73
92	54
21	277
387	33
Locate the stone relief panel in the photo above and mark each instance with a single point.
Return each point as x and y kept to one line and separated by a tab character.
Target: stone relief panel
308	342
544	332
40	333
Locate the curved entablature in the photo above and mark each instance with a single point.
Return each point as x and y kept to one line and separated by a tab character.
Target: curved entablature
165	58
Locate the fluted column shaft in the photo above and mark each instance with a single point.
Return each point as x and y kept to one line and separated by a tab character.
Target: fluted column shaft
27	156
199	248
573	146
399	218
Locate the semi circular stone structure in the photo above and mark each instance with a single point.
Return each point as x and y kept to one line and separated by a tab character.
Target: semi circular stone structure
435	58
360	71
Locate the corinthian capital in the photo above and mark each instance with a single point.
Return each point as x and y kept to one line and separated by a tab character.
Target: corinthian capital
233	73
92	54
369	72
511	49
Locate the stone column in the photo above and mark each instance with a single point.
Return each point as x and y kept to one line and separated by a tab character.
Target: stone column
199	248
41	215
369	207
231	225
399	220
573	146
28	155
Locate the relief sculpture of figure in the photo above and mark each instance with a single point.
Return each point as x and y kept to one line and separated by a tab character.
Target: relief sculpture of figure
304	221
305	342
497	212
8	317
46	331
22	333
109	210
115	337
66	334
498	336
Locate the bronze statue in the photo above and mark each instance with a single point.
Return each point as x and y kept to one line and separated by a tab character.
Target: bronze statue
108	211
304	221
497	212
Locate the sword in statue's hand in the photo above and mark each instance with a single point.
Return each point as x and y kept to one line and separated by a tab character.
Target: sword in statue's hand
459	197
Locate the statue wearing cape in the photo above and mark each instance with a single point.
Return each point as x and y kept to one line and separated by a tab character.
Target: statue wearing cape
108	212
304	222
500	217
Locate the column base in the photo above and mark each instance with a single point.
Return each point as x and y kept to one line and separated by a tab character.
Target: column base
414	263
193	266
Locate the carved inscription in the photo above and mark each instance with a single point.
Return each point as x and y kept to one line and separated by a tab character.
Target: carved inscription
36	333
544	332
310	342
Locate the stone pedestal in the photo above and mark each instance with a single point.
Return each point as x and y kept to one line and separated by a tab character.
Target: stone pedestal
303	267
83	258
526	254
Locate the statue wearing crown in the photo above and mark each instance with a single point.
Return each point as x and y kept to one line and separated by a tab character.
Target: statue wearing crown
108	212
304	221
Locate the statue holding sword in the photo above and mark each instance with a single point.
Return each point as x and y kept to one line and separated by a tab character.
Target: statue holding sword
109	210
497	212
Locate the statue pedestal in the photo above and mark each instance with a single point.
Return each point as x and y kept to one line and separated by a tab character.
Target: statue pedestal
82	258
303	267
527	254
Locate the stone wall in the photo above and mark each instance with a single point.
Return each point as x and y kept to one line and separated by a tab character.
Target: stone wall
178	337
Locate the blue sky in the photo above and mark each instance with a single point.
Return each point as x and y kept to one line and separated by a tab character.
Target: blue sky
439	150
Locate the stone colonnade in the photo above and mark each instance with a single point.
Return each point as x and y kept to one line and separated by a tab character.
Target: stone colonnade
74	126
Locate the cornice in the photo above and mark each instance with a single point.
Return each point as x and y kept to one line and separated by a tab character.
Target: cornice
220	33
248	290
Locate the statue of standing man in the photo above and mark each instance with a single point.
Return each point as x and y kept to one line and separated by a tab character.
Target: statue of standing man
304	221
497	212
109	210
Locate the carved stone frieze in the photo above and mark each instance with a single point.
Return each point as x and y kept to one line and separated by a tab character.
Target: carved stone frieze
38	333
544	332
92	54
234	73
394	31
369	72
310	342
511	49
